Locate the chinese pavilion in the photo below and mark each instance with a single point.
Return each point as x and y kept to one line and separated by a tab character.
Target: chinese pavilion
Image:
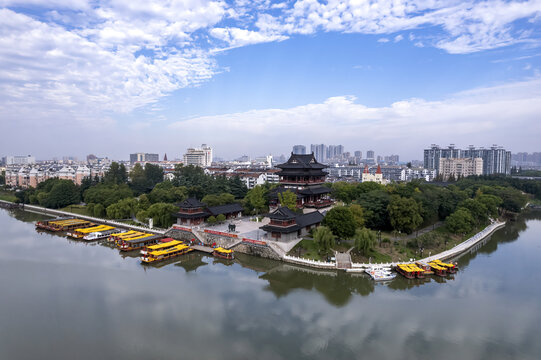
194	212
286	225
304	176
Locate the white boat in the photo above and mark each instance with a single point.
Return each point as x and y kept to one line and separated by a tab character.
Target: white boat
380	274
99	235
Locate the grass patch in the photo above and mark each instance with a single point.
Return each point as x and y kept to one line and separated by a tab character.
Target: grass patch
77	209
373	256
307	249
7	196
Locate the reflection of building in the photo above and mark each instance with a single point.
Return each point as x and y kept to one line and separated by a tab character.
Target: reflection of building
144	157
285	225
194	212
199	156
460	167
304	176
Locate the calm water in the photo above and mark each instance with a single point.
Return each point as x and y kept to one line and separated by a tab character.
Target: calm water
65	299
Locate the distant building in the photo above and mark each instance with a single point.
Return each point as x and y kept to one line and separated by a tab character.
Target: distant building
462	167
199	156
370	155
377	177
19	160
299	149
496	160
320	152
144	157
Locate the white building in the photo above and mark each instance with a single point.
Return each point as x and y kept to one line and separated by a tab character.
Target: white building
19	160
461	167
199	156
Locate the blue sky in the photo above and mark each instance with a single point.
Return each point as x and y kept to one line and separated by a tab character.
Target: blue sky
256	77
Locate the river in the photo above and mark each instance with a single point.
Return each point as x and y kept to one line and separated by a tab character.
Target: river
66	299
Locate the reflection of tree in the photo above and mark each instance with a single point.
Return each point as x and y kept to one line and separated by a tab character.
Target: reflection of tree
191	261
507	234
401	283
336	287
27	216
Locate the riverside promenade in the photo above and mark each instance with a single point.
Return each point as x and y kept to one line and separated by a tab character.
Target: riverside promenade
455	251
51	212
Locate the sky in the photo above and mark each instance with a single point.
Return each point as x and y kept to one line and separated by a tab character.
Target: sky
115	77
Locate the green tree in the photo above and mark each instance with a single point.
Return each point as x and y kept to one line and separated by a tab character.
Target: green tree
357	212
364	240
460	222
123	209
238	187
491	202
142	216
374	204
162	214
211	220
153	175
98	211
324	238
138	180
116	174
404	214
477	209
341	221
63	193
168	193
255	200
107	194
144	202
288	199
220	218
221	199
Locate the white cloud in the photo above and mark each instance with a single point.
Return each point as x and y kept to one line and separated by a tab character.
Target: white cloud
383	40
483	116
398	38
235	37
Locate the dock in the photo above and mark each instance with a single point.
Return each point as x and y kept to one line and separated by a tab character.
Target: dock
202	248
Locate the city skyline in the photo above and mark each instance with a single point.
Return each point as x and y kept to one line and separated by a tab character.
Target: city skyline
113	78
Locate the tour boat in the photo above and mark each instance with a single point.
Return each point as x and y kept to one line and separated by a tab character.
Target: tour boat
64	224
80	233
223	253
138	242
380	274
410	271
426	268
98	235
164	251
450	267
438	270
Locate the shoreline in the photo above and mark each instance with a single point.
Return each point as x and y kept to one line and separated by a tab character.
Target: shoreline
355	267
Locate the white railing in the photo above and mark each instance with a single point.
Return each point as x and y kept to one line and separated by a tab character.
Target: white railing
308	262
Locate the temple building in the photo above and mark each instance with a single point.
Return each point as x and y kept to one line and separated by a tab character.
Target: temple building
194	212
286	225
304	176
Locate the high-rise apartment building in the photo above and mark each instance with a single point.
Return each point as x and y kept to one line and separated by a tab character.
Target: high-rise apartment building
461	167
370	155
299	149
199	156
144	157
496	160
19	160
320	152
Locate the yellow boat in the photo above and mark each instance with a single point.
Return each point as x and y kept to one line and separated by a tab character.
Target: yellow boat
81	232
223	253
160	253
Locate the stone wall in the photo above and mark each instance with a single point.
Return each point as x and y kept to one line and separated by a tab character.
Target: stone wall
180	235
254	250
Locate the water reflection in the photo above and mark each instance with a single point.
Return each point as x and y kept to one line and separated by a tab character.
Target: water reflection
87	302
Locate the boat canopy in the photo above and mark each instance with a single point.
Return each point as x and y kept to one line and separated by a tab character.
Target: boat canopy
164	245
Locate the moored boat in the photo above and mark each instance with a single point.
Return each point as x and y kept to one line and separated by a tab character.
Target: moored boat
410	271
99	235
450	267
380	274
223	253
438	270
80	233
426	268
138	242
163	251
63	224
